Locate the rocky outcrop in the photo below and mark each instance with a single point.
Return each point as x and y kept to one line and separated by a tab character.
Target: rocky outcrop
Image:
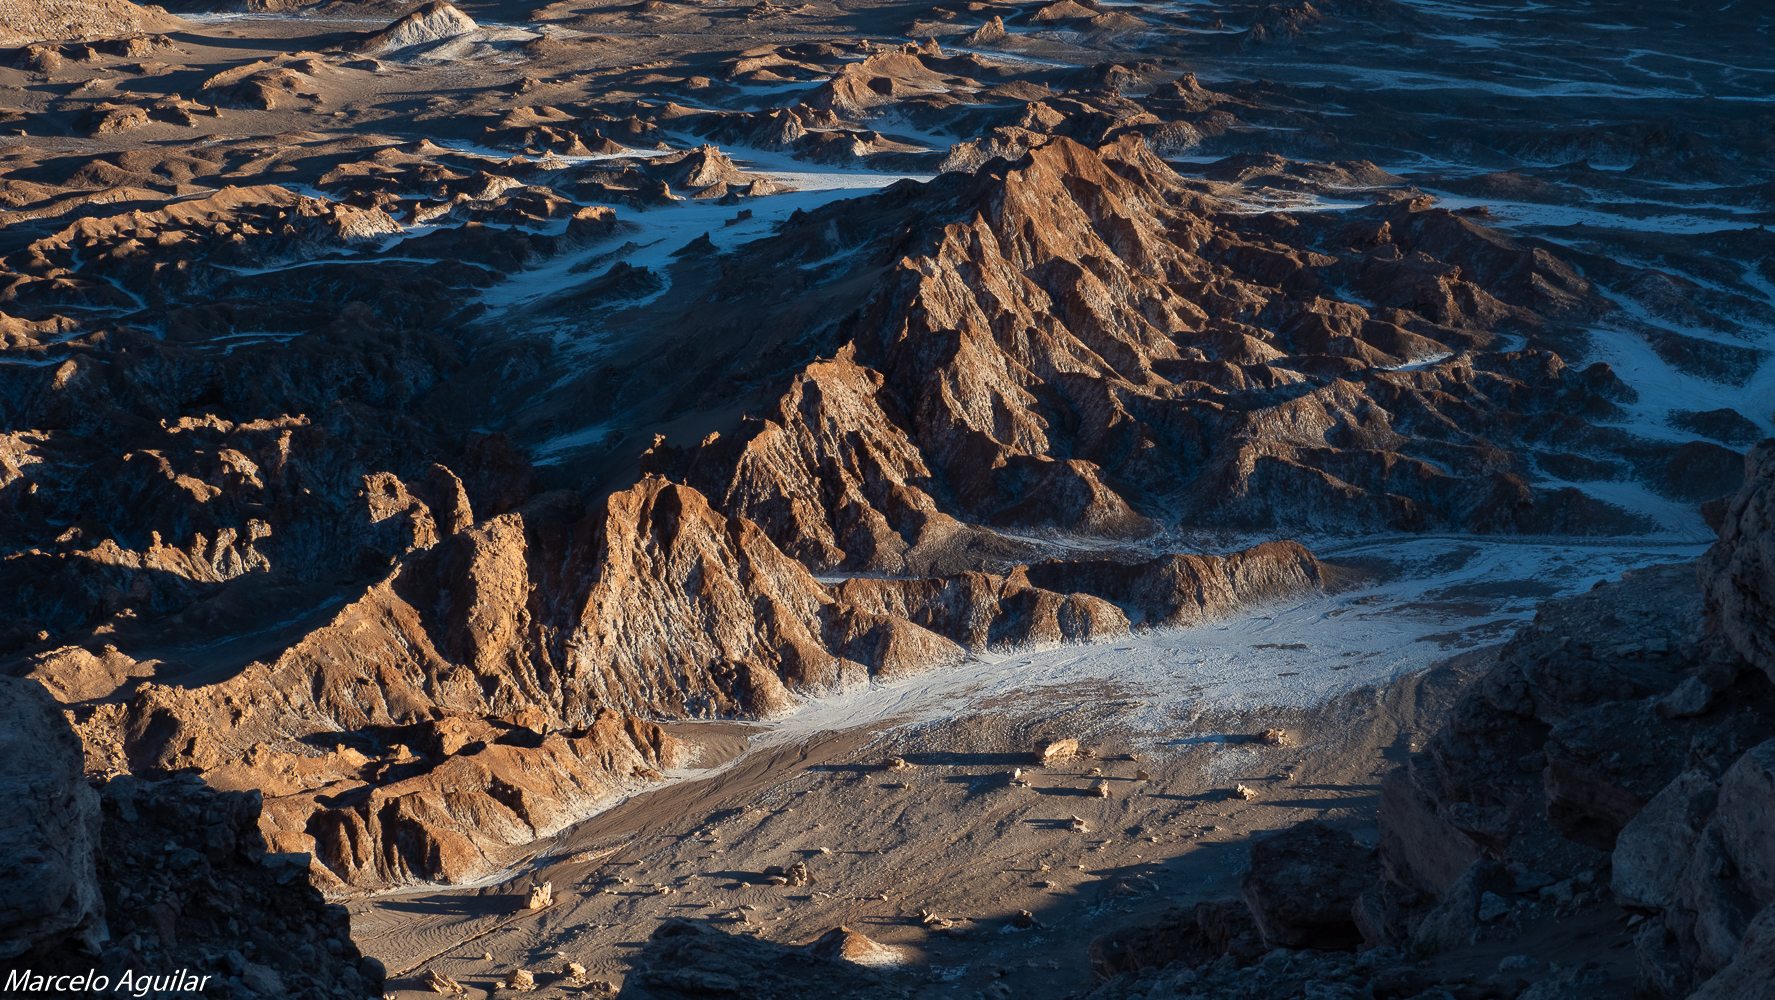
153	875
1740	571
1303	884
843	944
1077	349
54	20
1603	746
49	886
428	24
480	697
1619	755
1747	975
684	959
188	883
1084	342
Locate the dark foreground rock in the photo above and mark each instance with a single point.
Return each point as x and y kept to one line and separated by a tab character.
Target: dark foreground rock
1303	885
49	890
155	876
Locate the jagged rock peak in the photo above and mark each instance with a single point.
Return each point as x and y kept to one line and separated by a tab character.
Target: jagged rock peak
435	22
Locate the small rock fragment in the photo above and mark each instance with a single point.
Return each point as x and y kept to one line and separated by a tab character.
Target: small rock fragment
1276	738
1059	750
520	980
542	895
437	982
796	874
1245	792
1100	789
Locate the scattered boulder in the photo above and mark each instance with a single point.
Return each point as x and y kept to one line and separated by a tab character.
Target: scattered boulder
1655	845
437	982
1689	699
794	875
1059	750
846	945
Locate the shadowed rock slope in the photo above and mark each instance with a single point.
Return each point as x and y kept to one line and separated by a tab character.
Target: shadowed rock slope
1595	813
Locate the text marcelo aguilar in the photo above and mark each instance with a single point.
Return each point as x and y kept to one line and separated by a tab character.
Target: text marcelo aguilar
129	983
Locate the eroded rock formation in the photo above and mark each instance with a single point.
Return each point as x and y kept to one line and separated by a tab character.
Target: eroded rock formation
1075	341
50	20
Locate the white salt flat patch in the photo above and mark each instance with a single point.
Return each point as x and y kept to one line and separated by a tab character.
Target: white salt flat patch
232	17
1664	389
556	449
485	152
657	233
1543	215
1419	364
1453	594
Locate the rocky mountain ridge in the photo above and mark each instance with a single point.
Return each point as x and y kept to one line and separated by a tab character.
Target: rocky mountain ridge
1094	346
